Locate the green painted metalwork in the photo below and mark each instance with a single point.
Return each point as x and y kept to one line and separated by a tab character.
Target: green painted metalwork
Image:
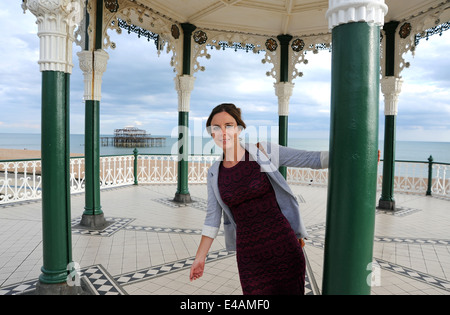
92	136
284	77
353	159
87	23
135	166
187	41
99	26
387	200
390	29
284	59
92	158
283	138
183	154
182	193
57	237
430	175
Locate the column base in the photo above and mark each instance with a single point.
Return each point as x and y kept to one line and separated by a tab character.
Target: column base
97	222
58	289
182	198
386	205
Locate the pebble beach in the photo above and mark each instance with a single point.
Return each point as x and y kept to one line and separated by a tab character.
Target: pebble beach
17	154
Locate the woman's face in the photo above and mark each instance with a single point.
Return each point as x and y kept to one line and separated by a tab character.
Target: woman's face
224	130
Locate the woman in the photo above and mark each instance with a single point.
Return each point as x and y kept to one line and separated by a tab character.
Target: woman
260	213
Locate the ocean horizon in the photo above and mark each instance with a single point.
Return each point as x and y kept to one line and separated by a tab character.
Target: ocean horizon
405	150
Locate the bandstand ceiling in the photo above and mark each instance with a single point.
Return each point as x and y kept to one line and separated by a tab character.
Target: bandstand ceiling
268	17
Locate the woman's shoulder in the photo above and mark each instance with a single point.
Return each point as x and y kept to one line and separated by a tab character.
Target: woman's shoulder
214	168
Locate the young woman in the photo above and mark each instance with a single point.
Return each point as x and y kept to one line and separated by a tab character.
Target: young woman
260	213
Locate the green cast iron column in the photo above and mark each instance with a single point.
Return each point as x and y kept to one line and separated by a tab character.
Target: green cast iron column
57	237
387	201
182	194
283	136
183	122
92	138
284	77
353	159
92	159
56	23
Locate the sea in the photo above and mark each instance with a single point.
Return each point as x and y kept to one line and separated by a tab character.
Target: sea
405	150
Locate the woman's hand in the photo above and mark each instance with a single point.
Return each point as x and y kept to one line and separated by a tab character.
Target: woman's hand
199	263
197	269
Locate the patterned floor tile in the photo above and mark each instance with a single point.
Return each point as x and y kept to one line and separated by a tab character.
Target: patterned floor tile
156	271
117	225
99	280
197	203
399	211
414	274
416	241
163	229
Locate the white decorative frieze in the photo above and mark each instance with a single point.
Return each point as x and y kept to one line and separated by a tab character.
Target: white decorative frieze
283	90
184	84
56	20
408	30
299	46
93	64
137	15
391	88
347	11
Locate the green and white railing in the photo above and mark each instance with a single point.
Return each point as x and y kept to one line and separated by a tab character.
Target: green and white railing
20	180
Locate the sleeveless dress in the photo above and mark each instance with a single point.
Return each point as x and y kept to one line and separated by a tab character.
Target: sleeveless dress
269	257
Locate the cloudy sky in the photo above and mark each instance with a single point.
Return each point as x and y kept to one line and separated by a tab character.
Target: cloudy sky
138	88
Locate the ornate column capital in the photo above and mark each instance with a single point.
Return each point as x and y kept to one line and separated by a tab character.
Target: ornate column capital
391	88
284	92
184	84
346	11
93	64
56	20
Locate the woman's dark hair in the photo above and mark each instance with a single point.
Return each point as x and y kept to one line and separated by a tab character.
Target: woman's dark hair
231	109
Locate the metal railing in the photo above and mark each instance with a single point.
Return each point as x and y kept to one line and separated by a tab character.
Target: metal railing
429	178
20	180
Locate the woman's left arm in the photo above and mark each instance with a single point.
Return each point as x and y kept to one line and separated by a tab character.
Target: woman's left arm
290	157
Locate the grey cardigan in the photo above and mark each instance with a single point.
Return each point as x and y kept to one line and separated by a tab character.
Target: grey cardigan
269	158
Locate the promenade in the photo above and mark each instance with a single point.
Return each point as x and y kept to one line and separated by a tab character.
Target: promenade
152	242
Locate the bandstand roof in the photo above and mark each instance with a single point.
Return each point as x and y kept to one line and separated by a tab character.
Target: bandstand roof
255	24
269	17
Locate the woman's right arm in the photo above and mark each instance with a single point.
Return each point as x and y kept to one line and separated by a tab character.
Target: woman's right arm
198	266
209	232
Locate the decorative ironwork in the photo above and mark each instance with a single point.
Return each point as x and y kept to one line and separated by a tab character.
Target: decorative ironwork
236	46
112	5
432	31
271	44
175	31
405	30
321	46
298	45
200	37
139	31
315	48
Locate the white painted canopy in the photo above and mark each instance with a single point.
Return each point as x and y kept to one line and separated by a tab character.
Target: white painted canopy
270	17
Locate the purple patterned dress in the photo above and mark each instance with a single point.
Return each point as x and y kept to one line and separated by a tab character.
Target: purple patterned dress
269	257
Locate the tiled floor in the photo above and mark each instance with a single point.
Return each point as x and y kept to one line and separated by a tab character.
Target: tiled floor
152	242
